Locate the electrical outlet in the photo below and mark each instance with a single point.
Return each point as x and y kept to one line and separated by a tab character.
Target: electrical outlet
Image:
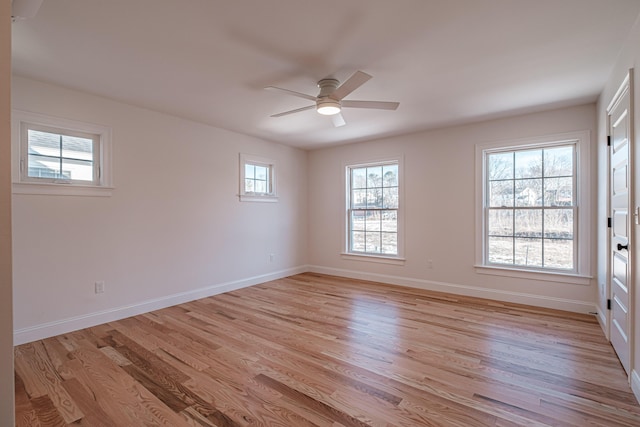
272	257
99	287
429	263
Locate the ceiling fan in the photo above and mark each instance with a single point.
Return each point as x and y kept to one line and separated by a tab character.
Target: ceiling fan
329	101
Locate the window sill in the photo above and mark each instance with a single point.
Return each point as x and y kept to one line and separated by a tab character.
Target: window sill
381	259
546	276
252	198
61	189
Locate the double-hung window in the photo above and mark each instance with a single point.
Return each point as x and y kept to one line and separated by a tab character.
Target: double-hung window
535	205
373	202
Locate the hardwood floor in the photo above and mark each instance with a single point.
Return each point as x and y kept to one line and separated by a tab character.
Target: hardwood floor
326	351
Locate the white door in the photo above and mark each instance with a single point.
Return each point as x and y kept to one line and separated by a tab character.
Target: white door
619	122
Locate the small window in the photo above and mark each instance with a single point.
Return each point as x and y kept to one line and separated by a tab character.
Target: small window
60	156
373	209
257	179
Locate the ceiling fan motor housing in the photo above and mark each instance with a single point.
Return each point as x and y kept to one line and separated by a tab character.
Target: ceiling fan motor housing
327	87
324	103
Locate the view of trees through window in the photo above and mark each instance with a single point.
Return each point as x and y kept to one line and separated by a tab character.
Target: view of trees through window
530	207
256	179
373	209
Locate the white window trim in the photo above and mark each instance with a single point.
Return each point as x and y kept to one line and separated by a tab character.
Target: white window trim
102	188
377	258
583	274
258	197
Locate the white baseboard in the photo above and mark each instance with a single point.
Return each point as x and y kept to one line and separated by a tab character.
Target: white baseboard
602	320
45	330
575	306
635	384
50	329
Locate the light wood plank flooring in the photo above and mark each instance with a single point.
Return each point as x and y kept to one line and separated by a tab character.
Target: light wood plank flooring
314	350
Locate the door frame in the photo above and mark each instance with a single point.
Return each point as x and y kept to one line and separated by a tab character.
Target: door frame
634	211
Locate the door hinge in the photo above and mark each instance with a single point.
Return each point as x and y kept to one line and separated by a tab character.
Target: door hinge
608	140
608	304
609	222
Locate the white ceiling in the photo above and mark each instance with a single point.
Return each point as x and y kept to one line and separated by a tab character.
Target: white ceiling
446	61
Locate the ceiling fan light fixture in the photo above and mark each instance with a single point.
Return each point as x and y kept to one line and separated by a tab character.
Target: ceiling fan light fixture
328	107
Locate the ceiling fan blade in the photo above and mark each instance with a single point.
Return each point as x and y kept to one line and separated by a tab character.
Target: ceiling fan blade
292	92
338	120
297	110
380	105
354	82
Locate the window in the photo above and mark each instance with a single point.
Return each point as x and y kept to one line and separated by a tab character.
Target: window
531	205
59	156
257	179
373	202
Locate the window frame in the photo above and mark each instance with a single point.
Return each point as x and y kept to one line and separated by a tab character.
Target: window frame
250	196
23	121
582	209
347	254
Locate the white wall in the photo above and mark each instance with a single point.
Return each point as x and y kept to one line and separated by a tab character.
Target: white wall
173	230
629	58
6	320
439	193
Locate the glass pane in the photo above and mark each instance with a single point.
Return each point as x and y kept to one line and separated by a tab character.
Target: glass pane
261	186
529	192
501	250
372	221
500	166
558	254
359	199
501	194
528	164
357	241
374	198
528	223
390	175
528	252
390	243
248	186
357	220
74	147
45	143
558	191
500	222
374	177
359	178
558	223
558	161
249	171
261	172
44	167
80	170
390	198
390	221
373	243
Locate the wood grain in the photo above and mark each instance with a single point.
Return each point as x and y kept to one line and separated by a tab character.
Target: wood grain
317	350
